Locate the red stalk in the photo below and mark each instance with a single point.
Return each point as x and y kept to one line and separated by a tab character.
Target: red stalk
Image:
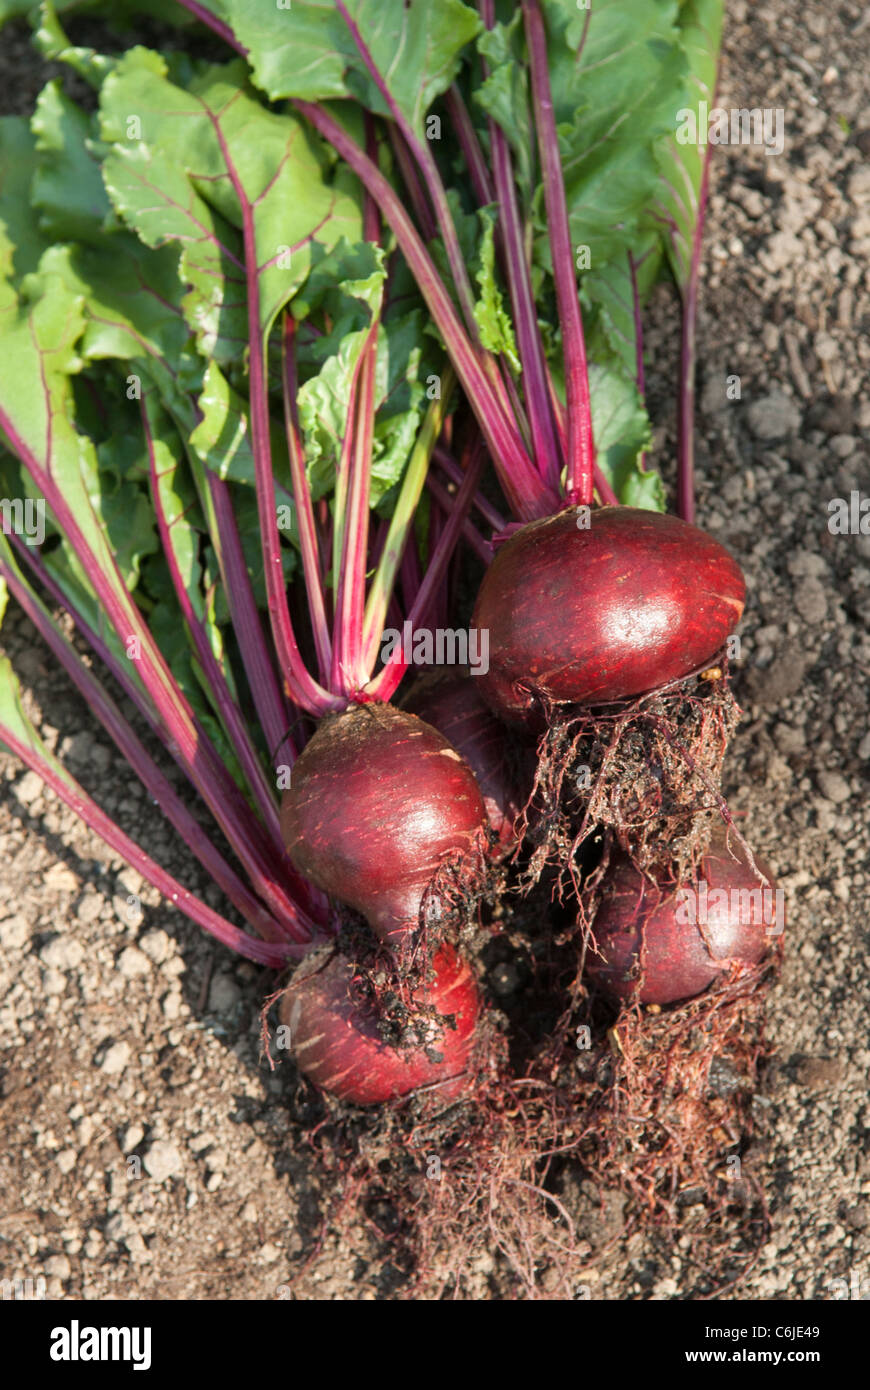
528	495
298	928
581	451
302	687
304	508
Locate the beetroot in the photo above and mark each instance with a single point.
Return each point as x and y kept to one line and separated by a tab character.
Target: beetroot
450	702
587	616
378	800
659	944
338	1039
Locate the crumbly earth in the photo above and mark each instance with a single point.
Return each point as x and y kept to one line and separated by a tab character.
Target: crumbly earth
147	1153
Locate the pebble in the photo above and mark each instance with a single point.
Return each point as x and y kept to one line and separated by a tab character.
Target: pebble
62	953
162	1160
156	945
14	932
834	787
223	994
90	907
774	417
58	1267
115	1059
133	963
28	788
132	1138
66	1160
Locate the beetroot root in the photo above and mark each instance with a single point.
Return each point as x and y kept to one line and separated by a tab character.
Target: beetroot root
660	943
590	615
337	1038
378	801
450	702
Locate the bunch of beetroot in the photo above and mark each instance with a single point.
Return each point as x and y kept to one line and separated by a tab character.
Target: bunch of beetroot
605	620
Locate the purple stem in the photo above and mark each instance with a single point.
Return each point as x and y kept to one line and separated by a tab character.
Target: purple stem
475	161
581	452
273	710
216	25
528	495
385	684
347	656
638	341
411	179
74	796
228	710
304	508
686	403
470	533
188	740
301	686
546	450
490	514
155	783
429	168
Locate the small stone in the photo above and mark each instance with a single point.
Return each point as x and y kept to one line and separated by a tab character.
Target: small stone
62	953
171	1006
843	445
115	1059
269	1253
14	933
90	907
66	1160
117	1228
133	963
811	602
156	945
53	982
213	1182
162	1160
249	1212
132	1138
28	788
774	417
58	1267
223	994
816	1073
834	787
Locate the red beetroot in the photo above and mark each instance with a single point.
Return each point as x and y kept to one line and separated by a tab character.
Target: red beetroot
587	616
338	1045
378	799
450	702
662	944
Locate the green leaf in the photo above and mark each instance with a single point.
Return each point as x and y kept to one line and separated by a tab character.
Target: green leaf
493	320
222	438
130	299
608	299
55	47
504	95
305	49
675	202
17	166
613	100
67	187
622	433
188	163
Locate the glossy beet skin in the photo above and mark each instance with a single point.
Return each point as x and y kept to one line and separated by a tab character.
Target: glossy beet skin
377	800
588	616
653	940
337	1044
450	702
